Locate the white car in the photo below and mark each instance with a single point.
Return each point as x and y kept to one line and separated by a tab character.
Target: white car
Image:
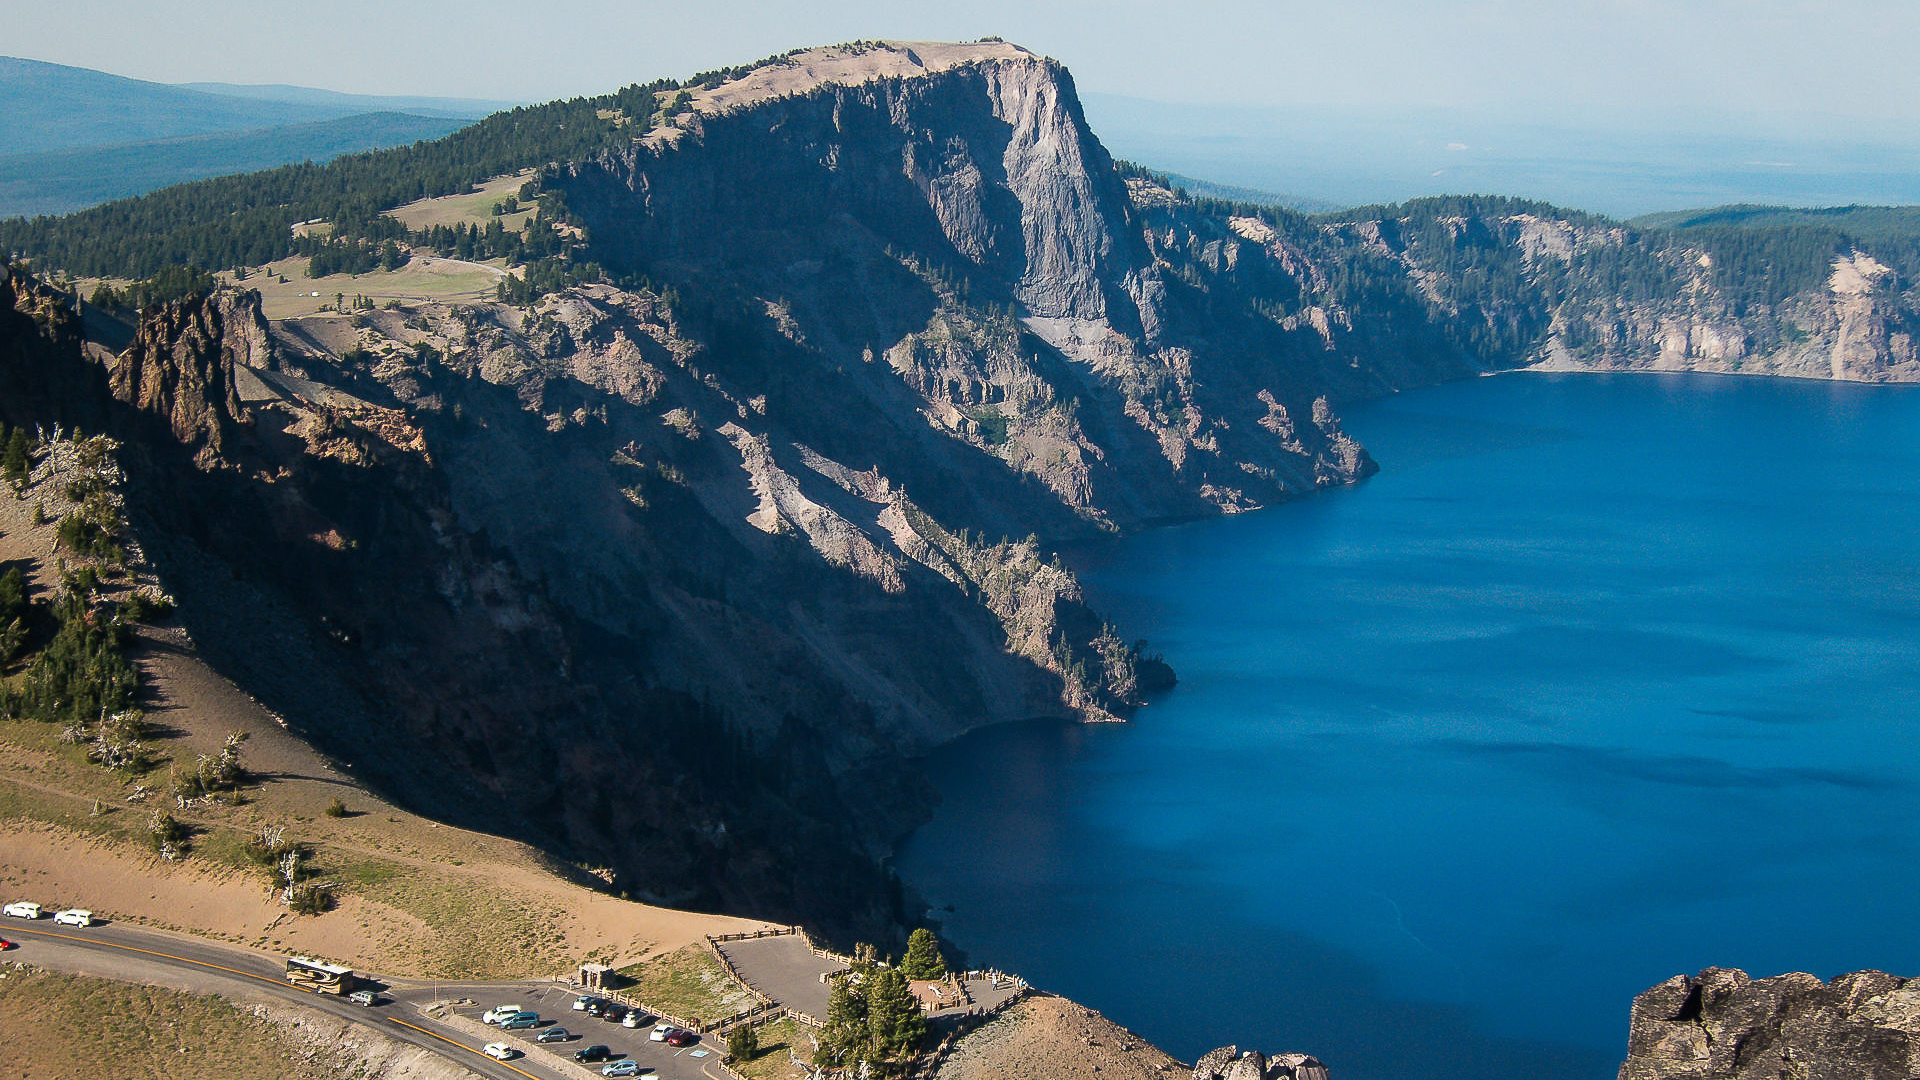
499	1013
499	1050
660	1032
74	917
25	909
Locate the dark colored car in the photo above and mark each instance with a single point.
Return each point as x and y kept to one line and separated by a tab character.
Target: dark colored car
681	1037
613	1013
553	1034
595	1052
597	1008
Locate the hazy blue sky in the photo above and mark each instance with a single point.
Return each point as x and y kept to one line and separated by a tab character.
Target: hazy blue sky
1787	64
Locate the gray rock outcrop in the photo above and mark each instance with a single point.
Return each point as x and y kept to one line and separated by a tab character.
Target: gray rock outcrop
1232	1063
963	235
180	367
1722	1025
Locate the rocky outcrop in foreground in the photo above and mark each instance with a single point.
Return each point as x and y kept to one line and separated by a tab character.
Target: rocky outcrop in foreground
1050	1038
1723	1025
1230	1063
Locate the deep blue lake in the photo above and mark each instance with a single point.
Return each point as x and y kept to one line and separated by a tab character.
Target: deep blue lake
1602	679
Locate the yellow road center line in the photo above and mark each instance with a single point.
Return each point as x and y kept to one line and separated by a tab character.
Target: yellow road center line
462	1046
151	952
262	978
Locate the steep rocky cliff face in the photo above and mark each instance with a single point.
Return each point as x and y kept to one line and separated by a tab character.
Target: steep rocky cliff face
675	580
39	337
1858	326
1523	284
956	253
181	365
1721	1025
676	576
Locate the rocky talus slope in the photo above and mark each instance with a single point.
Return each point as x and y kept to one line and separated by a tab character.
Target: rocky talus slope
1722	1025
1232	1063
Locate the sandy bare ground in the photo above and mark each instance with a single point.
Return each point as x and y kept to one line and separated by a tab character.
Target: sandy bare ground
1051	1038
58	867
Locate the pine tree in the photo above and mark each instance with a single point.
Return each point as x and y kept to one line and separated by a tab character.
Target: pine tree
13	614
844	1039
742	1043
14	460
923	959
894	1020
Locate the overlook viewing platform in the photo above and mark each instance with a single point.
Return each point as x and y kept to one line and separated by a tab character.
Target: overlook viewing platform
788	969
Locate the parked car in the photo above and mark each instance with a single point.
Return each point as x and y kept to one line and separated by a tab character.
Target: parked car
614	1013
74	917
521	1020
597	1006
596	1052
660	1032
499	1013
5	944
622	1068
681	1037
553	1034
364	997
499	1050
634	1018
24	909
587	1001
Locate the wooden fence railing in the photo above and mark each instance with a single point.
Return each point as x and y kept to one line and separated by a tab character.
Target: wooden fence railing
782	931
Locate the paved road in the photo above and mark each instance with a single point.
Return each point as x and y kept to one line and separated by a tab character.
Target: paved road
185	963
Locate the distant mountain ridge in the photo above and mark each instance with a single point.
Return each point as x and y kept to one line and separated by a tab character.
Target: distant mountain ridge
1208	189
58	107
62	181
460	108
1867	223
1618	165
75	137
55	107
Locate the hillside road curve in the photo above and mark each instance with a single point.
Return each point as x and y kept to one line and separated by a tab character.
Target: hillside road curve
139	954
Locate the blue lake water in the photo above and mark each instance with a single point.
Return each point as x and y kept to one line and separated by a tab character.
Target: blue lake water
1602	679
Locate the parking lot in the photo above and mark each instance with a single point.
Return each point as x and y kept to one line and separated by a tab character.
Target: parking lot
555	1006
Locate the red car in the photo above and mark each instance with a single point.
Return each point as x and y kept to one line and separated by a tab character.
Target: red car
681	1037
5	944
